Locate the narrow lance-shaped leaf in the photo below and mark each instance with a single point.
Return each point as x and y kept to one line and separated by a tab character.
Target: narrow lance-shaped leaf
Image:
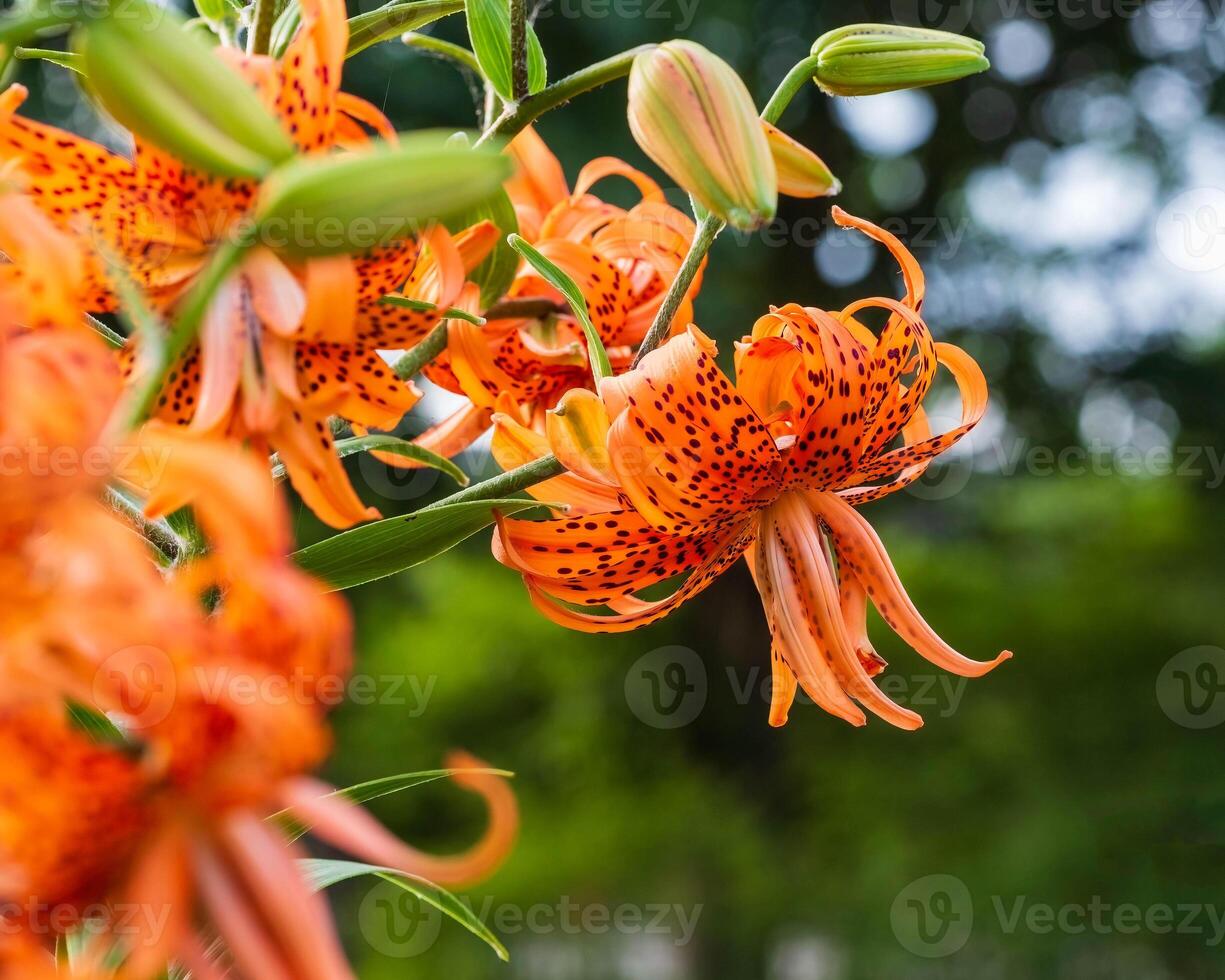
601	367
392	445
425	306
322	873
489	29
365	30
65	59
374	551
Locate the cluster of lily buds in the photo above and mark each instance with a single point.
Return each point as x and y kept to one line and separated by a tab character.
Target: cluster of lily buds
692	115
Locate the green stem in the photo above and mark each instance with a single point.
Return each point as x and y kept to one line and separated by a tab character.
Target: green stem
522	114
446	49
112	337
413	360
529	308
65	59
157	533
225	259
505	484
260	36
518	49
434	343
788	88
708	229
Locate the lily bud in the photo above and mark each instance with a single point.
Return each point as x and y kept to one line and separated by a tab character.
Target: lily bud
801	173
352	202
867	59
167	85
692	115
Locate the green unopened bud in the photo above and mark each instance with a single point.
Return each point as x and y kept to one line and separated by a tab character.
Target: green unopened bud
692	115
167	86
352	202
867	59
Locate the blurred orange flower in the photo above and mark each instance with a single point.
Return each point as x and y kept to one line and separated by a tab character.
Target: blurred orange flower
674	469
217	670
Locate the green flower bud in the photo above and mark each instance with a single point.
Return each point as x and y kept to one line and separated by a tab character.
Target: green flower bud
866	59
692	115
351	202
167	86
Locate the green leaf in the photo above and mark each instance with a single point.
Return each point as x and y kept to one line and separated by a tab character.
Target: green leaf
497	272
396	18
387	444
365	30
214	10
321	873
424	306
65	59
96	725
601	368
112	337
374	551
489	29
377	788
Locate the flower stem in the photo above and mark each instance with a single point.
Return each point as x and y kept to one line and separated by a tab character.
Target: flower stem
708	228
415	358
260	36
521	114
518	49
528	308
788	88
505	484
157	533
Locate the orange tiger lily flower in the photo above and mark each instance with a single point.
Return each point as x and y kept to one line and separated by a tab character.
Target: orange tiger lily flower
772	469
622	260
285	345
